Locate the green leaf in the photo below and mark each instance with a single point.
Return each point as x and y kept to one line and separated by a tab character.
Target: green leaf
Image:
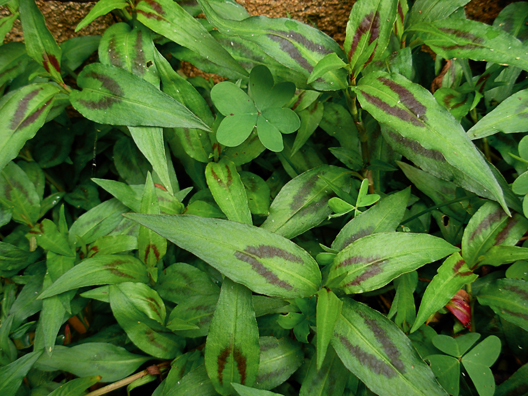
303	202
279	359
114	96
140	311
247	391
40	44
76	387
195	383
310	120
49	238
447	371
11	375
13	62
478	361
403	303
417	119
490	226
6	24
432	10
329	379
180	281
380	354
329	63
166	17
99	270
368	268
232	349
110	362
194	311
101	8
112	244
151	246
52	317
19	195
452	275
259	259
328	311
515	385
228	190
467	39
368	31
12	259
24	111
258	193
508	117
295	45
507	298
77	49
456	347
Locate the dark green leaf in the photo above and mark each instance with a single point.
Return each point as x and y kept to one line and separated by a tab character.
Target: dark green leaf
14	60
77	49
432	10
11	375
247	391
478	361
380	354
261	260
193	311
258	193
329	379
102	7
328	311
515	385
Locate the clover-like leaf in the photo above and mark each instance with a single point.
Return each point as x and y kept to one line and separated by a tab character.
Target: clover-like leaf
263	108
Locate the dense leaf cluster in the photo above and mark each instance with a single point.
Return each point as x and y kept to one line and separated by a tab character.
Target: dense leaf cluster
326	221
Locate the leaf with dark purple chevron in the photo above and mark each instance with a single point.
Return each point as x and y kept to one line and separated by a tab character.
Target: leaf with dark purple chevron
385	216
303	202
431	161
490	226
102	7
99	270
367	267
115	96
279	359
375	350
418	120
507	297
167	17
140	311
196	310
432	10
40	44
467	39
228	191
368	31
452	275
292	43
263	261
232	349
22	115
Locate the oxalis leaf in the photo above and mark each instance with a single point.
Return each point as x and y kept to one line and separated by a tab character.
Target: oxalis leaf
115	96
261	260
421	123
380	354
365	266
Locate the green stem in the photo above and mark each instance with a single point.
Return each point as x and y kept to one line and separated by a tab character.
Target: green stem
435	208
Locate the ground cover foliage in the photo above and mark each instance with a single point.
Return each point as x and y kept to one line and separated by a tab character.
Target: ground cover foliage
322	222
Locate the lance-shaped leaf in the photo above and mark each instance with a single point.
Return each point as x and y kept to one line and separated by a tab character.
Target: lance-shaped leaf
452	275
166	17
279	359
500	254
111	244
247	391
140	311
49	238
23	113
114	96
329	379
101	8
261	260
508	117
366	267
380	354
258	193
368	31
151	246
99	270
292	43
516	384
228	191
507	297
490	226
76	387
303	202
467	39
232	350
111	362
421	122
383	217
6	24
19	195
13	62
432	10
12	375
328	311
40	44
431	162
192	317
12	259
